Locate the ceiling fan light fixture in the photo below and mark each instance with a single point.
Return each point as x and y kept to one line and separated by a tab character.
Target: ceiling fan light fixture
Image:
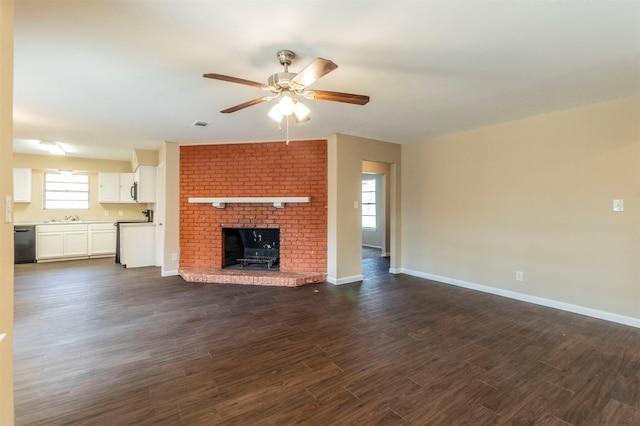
301	111
276	113
286	104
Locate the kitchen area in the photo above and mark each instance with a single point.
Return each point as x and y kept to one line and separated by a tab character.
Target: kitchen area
111	214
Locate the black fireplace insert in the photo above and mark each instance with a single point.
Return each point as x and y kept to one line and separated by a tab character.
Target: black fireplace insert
251	248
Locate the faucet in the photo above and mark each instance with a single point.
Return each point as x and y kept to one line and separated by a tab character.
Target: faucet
72	218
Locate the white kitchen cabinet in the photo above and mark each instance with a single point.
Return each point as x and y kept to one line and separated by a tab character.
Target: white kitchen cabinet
21	185
145	177
109	188
137	244
101	239
126	183
75	243
115	187
61	241
49	245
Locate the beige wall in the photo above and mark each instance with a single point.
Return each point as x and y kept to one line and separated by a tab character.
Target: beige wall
6	229
143	157
346	154
533	195
34	211
70	163
169	231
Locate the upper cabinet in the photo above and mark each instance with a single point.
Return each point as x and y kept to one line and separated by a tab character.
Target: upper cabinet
126	188
21	185
109	188
115	188
145	181
135	187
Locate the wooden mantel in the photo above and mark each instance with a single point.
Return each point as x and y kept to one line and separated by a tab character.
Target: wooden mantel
278	202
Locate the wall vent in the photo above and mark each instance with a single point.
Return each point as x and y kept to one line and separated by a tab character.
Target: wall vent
200	124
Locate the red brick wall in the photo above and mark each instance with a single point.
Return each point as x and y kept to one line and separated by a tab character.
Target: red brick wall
255	170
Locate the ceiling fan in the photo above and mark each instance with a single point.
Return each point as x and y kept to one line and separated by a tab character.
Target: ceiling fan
286	85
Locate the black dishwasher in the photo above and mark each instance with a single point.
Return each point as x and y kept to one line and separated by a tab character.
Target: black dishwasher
24	244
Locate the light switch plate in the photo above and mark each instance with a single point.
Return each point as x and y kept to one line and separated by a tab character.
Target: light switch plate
8	209
618	205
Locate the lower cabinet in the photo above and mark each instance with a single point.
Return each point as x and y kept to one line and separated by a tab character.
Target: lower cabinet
137	244
72	241
102	239
75	243
49	244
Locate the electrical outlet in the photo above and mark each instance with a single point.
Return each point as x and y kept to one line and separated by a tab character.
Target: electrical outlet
106	212
119	212
519	276
174	256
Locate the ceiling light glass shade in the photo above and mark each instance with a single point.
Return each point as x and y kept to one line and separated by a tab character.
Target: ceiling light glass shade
301	111
53	148
276	113
287	105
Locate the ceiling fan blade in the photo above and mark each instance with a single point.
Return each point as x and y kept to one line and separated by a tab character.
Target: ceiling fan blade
350	98
245	105
314	71
236	80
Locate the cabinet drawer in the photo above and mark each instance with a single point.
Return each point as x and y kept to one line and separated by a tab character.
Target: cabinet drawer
64	227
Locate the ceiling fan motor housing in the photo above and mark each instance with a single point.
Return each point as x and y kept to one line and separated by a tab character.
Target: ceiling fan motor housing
281	80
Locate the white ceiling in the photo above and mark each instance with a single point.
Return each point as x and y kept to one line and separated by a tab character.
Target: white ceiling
104	77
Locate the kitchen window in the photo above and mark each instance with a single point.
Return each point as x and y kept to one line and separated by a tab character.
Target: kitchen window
369	204
66	190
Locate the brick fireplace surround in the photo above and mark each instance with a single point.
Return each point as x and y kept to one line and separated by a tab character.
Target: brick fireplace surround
275	169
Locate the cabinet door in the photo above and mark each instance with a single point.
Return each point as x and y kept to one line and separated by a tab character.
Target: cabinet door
102	242
126	182
146	178
21	185
109	190
75	243
49	245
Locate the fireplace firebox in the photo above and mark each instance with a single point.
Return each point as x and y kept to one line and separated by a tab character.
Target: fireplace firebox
251	248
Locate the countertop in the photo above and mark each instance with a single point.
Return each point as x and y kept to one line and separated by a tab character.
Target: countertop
76	222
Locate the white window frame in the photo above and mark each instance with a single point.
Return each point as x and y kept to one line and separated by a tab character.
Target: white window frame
65	191
369	205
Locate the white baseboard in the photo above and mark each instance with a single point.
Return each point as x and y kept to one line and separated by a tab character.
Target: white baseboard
397	271
550	303
171	273
345	280
372	246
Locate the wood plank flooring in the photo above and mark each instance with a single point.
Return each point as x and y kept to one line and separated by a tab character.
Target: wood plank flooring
97	344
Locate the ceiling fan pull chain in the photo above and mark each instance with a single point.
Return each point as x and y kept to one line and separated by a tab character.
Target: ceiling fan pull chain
287	130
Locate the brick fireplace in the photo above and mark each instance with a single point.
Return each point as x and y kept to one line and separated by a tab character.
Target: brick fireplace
298	169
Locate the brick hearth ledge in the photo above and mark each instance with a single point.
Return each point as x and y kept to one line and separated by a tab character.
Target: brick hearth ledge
235	276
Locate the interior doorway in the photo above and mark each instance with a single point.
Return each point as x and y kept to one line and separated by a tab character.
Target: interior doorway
375	210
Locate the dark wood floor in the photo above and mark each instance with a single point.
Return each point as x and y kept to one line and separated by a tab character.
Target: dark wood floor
99	344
